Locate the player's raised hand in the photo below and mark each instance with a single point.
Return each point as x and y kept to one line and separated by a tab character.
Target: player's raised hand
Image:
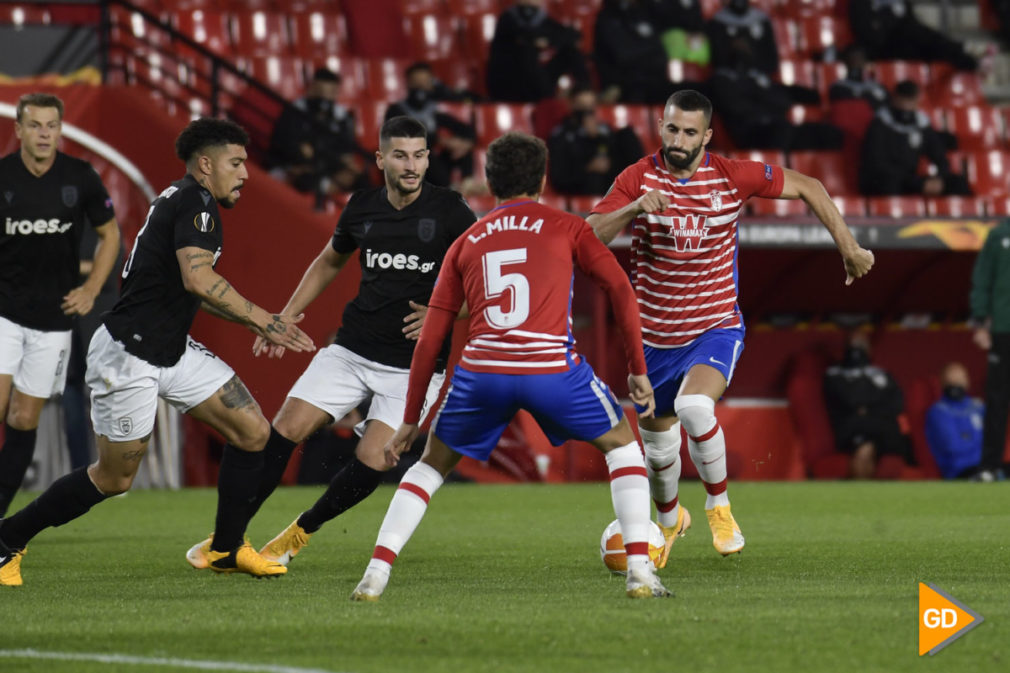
640	392
78	301
857	264
281	330
653	201
400	443
415	320
982	338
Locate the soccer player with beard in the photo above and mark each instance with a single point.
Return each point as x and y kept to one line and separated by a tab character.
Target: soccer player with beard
514	269
48	198
403	230
683	203
143	351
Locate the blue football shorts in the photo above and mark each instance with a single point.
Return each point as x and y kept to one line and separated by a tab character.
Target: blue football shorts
568	405
718	348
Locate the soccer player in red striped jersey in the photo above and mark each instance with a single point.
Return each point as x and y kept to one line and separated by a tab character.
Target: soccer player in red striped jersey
683	203
514	268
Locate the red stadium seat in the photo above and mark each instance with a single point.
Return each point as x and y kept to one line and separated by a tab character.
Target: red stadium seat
829	167
494	119
261	34
778	207
828	74
896	206
24	14
481	204
317	35
415	7
890	73
638	117
818	34
710	7
786	37
988	172
997	206
799	9
385	80
798	71
369	115
554	200
431	36
581	205
206	27
977	127
478	31
956	88
850	206
353	78
469	7
955	206
284	74
775	157
457	74
462	111
678	71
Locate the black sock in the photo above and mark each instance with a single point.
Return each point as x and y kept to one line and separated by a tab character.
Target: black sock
67	498
350	486
236	488
15	457
276	454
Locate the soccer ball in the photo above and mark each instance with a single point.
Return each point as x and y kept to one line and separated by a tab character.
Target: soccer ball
612	546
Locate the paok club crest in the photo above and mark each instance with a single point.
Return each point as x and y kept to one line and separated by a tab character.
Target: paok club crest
688	231
426	229
69	196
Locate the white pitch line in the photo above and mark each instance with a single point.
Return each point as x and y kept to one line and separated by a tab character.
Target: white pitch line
156	661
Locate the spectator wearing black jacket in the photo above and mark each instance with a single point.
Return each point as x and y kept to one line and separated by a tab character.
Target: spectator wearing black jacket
530	52
890	30
755	109
451	140
630	58
737	20
897	137
864	403
313	146
587	154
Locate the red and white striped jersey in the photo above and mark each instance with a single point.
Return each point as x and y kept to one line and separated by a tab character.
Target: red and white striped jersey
683	259
514	267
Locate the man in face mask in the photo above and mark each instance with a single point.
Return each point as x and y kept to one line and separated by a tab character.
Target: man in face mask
954	425
313	145
737	20
864	403
897	137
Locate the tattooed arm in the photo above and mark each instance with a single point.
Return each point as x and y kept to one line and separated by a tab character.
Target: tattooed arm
199	278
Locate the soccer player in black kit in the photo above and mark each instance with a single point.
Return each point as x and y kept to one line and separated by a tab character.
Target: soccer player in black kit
403	230
143	351
46	200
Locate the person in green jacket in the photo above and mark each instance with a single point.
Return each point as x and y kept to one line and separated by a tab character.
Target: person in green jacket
990	309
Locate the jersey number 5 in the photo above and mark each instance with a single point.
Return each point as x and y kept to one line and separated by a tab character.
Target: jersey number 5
497	283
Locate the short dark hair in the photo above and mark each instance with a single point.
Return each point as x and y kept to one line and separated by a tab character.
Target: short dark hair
401	126
417	67
206	132
906	88
690	100
39	100
325	75
516	163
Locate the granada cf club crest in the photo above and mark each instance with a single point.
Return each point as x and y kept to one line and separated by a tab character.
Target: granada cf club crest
204	223
426	229
716	197
69	195
688	231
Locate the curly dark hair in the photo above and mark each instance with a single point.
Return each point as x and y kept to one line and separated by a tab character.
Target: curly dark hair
208	132
516	163
690	100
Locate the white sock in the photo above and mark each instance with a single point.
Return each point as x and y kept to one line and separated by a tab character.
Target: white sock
408	506
629	491
662	460
706	444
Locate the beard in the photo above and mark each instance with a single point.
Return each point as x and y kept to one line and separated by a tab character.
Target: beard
404	189
681	161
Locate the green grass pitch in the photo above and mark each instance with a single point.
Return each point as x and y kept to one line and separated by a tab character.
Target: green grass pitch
508	578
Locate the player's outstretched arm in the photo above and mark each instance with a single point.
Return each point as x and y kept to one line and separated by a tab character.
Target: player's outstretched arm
400	443
320	273
607	226
81	299
857	260
199	278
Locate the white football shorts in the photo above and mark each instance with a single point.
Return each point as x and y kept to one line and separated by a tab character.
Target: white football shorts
125	389
338	380
37	360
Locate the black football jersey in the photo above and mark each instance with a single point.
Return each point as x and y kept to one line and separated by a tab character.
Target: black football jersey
401	252
43	219
154	311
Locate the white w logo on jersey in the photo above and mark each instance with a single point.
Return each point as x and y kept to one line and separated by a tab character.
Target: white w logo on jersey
688	231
